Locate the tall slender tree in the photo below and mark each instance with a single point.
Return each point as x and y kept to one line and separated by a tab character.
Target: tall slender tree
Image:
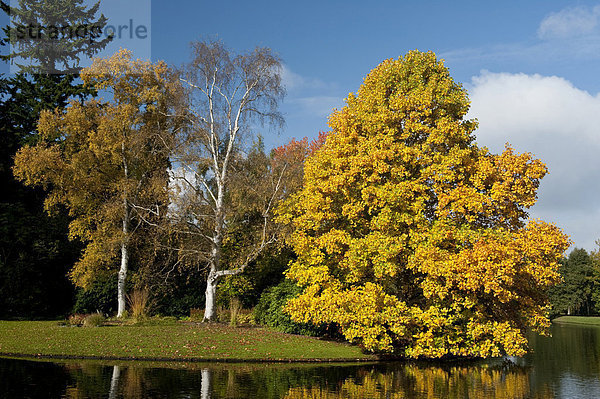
228	94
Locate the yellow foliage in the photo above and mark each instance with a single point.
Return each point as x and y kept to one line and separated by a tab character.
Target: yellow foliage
412	238
97	156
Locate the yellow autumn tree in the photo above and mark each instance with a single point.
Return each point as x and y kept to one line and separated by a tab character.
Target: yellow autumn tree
411	237
107	161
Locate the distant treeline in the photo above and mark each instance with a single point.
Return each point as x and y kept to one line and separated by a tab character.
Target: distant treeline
579	292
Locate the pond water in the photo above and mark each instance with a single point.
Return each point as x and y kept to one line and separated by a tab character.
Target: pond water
564	366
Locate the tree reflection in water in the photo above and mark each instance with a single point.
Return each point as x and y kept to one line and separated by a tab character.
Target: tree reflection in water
205	384
114	382
81	379
415	381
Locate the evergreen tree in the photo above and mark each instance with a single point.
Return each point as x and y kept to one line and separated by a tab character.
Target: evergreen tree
595	278
52	35
575	294
35	253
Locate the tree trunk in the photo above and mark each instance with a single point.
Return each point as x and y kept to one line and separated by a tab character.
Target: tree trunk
211	281
123	270
211	290
124	244
121	280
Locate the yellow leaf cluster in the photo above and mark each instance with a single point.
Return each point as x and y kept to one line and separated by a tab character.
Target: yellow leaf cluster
411	237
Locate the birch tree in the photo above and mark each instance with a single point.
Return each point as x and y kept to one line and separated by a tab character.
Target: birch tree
229	94
107	161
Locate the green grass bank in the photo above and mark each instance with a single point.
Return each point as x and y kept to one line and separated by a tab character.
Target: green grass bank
173	341
588	320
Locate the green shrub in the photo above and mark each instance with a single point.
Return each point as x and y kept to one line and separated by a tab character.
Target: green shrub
180	293
269	311
94	320
100	297
245	316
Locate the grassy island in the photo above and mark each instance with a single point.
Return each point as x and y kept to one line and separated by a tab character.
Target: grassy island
168	341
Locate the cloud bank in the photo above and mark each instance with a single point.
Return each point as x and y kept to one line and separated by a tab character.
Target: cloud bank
569	22
558	123
560	39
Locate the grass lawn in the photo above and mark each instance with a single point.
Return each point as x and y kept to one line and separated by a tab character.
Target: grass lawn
175	340
589	320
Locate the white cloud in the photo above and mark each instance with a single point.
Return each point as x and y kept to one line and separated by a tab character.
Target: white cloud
308	97
569	22
293	81
558	123
320	106
569	34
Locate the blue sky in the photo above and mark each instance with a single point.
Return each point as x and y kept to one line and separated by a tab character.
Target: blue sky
531	69
330	46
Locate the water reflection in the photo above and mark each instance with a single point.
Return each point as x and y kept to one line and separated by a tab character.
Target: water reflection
114	382
568	362
414	381
388	380
564	366
205	384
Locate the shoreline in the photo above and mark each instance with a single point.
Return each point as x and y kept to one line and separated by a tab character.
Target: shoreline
26	356
579	320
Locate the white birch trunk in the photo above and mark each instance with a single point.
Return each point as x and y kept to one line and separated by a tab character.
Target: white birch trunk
211	290
114	382
205	388
122	272
121	281
215	255
124	245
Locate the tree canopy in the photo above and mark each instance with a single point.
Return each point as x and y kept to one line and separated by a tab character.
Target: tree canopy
578	291
106	161
411	237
